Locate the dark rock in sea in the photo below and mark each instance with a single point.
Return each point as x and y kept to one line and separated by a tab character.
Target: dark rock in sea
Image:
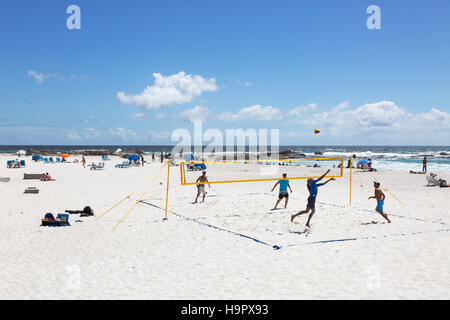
288	154
318	152
444	154
84	152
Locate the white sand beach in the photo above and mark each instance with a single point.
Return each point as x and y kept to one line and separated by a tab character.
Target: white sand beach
186	258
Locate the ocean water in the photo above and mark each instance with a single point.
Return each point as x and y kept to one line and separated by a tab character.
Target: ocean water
403	158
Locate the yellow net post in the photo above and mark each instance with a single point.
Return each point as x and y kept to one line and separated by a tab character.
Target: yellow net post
127	197
167	190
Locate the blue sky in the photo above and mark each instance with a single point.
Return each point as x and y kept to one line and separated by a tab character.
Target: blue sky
288	65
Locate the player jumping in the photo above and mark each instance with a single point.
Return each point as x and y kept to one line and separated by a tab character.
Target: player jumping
313	189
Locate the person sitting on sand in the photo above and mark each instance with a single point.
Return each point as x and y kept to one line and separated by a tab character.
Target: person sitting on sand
284	185
201	187
313	189
438	181
46	177
434	176
379	195
416	172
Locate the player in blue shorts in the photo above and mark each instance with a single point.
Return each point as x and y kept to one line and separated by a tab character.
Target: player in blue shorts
284	185
313	189
379	195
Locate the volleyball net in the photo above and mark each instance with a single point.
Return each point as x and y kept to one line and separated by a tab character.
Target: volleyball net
233	171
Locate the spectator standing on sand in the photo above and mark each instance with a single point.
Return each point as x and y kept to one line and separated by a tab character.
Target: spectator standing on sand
83	161
424	162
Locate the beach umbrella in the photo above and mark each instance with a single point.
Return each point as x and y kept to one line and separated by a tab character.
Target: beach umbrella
21	152
65	155
127	155
118	150
134	157
364	161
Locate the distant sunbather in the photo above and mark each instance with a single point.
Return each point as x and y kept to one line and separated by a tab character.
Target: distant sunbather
416	172
46	177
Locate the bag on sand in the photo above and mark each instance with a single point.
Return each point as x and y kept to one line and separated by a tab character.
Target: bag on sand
443	184
50	221
86	212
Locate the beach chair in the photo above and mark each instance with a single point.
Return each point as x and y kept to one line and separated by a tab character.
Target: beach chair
22	163
31	190
32	176
431	181
9	163
100	166
105	158
124	164
58	160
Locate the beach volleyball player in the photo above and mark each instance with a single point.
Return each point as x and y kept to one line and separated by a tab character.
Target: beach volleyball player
313	187
202	180
284	185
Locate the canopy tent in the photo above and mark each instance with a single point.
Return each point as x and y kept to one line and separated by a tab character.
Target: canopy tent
21	152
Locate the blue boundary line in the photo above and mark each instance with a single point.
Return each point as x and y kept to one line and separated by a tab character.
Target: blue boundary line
215	227
324	203
365	238
276	247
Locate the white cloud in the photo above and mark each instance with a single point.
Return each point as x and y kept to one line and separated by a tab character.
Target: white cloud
256	112
379	114
123	134
303	109
41	77
198	113
379	121
88	118
158	135
244	83
77	77
160	116
169	90
138	116
434	118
